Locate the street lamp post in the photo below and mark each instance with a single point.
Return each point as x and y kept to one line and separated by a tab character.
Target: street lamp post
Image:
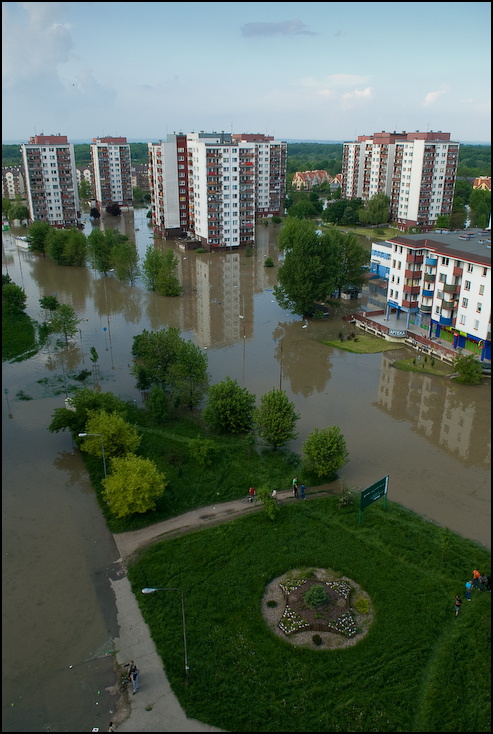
151	590
102	446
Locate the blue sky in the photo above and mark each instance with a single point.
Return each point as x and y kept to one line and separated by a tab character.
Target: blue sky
321	71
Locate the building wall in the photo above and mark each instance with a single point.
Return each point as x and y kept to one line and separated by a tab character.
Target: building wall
112	172
12	182
51	180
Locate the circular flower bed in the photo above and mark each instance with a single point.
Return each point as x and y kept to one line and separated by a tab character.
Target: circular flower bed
333	617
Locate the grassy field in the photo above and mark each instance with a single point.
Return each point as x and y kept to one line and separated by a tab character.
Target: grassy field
365	344
18	336
412	365
235	465
419	668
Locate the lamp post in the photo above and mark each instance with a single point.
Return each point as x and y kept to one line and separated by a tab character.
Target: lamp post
151	590
102	446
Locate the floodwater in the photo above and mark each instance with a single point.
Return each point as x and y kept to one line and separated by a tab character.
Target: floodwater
430	436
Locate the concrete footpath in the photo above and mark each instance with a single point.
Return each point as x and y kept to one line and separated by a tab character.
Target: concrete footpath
155	707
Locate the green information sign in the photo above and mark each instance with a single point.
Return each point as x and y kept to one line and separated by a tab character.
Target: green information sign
374	492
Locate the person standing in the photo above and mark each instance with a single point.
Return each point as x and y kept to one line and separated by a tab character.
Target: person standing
251	492
468	590
295	491
302	492
475	578
458	602
134	676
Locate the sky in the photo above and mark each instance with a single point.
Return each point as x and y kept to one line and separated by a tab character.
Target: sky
297	71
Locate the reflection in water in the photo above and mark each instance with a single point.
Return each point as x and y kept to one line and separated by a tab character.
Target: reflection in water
438	410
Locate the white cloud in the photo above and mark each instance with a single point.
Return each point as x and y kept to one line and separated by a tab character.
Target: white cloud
350	98
284	28
432	97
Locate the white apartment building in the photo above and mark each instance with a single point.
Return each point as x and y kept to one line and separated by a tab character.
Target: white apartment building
211	186
415	170
111	167
443	283
51	180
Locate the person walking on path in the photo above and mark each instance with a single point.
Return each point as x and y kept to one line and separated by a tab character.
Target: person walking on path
468	590
251	492
458	602
302	492
295	491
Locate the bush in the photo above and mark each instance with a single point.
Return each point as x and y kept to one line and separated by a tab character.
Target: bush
202	451
268	262
317	640
315	596
362	605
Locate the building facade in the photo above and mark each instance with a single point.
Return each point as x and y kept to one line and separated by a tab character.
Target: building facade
306	180
12	182
443	284
211	186
51	180
111	169
416	171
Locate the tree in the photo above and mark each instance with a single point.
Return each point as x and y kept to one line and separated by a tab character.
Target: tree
113	209
13	298
188	375
270	505
155	352
229	407
346	258
94	213
442	222
85	190
49	303
84	402
65	321
134	485
100	245
167	284
126	260
36	236
469	369
151	266
66	246
324	452
276	418
377	210
480	203
305	275
119	437
19	211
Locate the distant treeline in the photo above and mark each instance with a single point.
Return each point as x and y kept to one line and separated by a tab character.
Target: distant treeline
474	160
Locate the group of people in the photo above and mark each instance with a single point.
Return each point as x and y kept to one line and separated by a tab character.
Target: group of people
479	581
298	490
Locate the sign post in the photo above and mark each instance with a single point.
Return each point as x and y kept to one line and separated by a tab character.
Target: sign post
374	492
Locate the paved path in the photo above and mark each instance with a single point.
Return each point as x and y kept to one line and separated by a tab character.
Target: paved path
155	707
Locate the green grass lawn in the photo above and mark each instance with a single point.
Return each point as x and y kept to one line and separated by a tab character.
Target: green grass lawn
366	344
18	336
419	668
412	365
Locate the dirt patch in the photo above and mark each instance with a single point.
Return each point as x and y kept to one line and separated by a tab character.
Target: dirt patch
342	594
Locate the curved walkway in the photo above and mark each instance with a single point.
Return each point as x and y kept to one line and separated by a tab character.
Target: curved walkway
155	707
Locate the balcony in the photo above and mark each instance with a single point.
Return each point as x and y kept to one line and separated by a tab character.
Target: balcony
446	321
417	259
458	271
451	288
431	261
413	274
412	289
429	277
427	294
425	309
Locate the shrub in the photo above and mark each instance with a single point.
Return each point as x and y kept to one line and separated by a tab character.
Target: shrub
315	596
317	640
202	451
272	603
362	605
268	262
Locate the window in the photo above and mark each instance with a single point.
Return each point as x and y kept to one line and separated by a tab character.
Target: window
445	260
485	270
476	325
478	308
467	285
481	290
465	302
462	319
470	268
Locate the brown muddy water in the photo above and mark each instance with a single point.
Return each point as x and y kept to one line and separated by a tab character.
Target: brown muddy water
431	436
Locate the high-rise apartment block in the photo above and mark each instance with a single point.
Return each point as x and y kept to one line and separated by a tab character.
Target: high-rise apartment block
211	186
112	172
415	170
51	181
